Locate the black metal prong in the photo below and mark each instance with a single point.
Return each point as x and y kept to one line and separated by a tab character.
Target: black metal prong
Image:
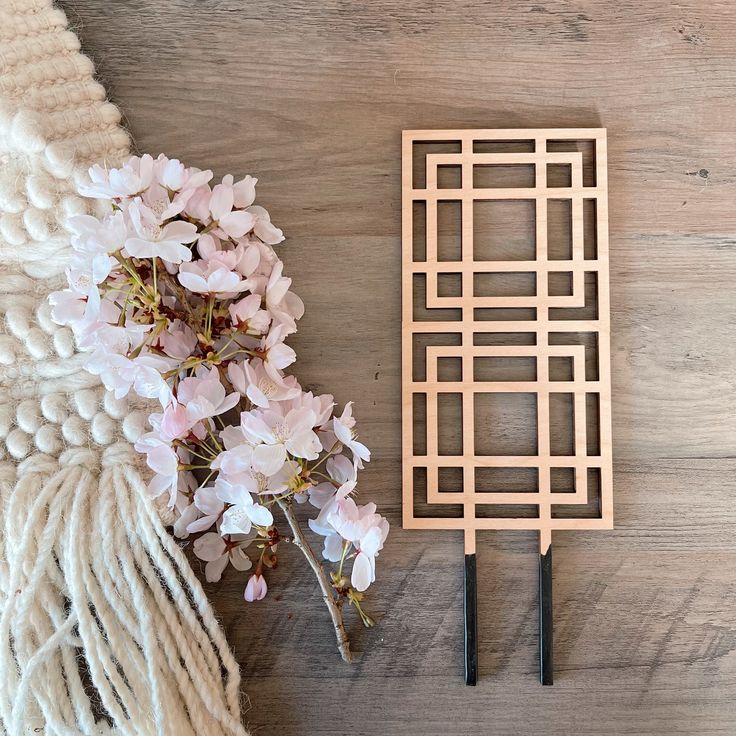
545	617
471	621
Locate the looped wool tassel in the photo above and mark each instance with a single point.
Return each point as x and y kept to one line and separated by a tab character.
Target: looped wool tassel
103	617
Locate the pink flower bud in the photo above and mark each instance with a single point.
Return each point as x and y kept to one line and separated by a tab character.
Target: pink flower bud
256	589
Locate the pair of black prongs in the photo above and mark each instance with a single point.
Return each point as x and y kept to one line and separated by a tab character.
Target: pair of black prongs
545	618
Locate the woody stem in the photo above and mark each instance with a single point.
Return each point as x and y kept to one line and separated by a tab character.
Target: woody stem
343	643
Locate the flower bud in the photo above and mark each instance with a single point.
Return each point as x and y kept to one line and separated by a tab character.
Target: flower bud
256	589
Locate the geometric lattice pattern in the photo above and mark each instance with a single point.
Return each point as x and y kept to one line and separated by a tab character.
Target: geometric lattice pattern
505	303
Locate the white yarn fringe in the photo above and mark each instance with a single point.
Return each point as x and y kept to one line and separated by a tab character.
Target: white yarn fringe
104	629
100	602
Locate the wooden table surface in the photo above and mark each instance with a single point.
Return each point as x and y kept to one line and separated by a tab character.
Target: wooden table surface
311	97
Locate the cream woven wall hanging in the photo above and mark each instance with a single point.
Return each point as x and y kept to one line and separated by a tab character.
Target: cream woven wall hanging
506	359
104	627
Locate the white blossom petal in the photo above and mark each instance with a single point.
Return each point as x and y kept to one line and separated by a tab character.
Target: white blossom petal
213	570
235	521
362	575
260	515
269	459
209	546
333	547
239	560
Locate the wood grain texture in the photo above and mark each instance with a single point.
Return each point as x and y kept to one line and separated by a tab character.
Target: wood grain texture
311	98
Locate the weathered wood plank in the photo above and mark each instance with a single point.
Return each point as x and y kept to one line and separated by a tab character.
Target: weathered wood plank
311	98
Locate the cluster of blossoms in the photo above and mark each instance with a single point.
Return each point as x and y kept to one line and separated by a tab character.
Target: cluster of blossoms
178	295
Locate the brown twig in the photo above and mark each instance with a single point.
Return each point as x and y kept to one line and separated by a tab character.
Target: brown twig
343	643
165	277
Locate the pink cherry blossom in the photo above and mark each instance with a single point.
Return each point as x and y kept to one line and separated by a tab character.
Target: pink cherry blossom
209	505
177	341
173	423
351	521
171	187
143	374
217	551
322	406
184	504
68	307
210	277
324	526
342	472
244	191
342	428
247	314
198	205
275	434
204	396
335	504
233	436
152	239
175	177
277	285
232	224
214	254
187	514
249	262
367	530
164	462
108	338
93	242
262	383
127	181
243	512
235	459
364	565
263	228
278	354
284	306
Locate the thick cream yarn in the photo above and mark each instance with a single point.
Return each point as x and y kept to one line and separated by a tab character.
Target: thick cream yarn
103	626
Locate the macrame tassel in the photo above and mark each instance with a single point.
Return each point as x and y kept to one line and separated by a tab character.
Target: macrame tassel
104	627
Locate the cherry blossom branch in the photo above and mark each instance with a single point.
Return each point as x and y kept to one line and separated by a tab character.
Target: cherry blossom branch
181	297
343	643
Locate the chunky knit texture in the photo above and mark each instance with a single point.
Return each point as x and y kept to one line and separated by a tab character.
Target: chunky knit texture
103	626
